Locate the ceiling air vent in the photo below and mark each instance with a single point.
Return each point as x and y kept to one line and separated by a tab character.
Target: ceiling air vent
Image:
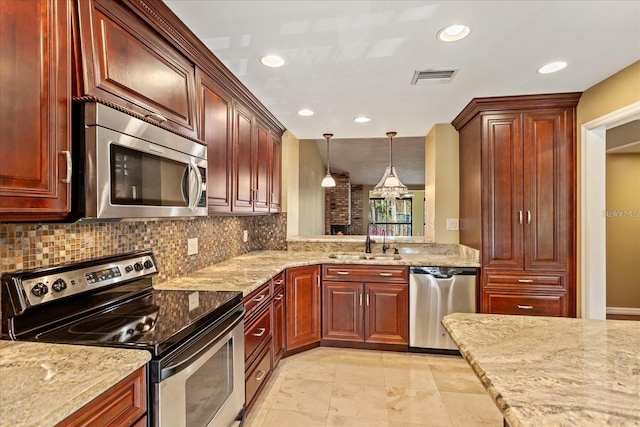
432	76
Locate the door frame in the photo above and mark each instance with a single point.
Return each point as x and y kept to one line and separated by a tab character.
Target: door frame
593	267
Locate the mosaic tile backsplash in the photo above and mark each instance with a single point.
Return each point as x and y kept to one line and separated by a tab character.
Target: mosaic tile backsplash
29	246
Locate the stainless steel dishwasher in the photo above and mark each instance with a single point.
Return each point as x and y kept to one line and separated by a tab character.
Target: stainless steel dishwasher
435	292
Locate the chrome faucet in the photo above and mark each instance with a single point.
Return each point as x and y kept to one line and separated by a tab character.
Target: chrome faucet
368	241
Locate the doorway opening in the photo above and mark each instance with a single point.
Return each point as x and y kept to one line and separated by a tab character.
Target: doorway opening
593	205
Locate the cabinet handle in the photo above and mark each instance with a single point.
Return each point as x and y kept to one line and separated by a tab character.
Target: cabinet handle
278	282
157	117
528	217
525	280
342	273
260	332
318	281
520	216
360	299
67	155
260	375
278	297
367	300
386	274
259	298
525	307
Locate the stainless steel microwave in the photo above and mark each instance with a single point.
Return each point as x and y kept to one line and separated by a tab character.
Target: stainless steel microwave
125	167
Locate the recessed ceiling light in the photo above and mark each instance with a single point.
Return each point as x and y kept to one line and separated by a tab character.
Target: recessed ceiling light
552	67
273	61
362	119
453	33
305	112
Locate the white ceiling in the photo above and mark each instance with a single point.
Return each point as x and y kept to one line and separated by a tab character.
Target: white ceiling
347	58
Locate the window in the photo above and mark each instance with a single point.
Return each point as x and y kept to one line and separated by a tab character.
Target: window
391	216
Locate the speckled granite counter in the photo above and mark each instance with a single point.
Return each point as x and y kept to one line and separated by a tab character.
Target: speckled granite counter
42	384
545	371
247	272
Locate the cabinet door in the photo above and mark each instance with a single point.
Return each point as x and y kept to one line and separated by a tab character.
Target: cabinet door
548	189
279	319
275	183
502	183
35	83
127	63
243	159
303	306
387	313
342	311
215	130
262	164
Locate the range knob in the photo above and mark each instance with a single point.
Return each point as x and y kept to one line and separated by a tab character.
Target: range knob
148	264
39	289
138	266
128	269
59	285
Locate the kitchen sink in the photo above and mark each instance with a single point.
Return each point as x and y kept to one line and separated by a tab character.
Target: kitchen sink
357	256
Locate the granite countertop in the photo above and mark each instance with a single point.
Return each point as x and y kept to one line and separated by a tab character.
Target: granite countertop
544	371
42	384
248	272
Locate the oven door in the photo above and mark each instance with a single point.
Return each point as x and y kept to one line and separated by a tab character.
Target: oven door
203	385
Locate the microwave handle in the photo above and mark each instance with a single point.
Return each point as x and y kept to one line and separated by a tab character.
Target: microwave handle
195	186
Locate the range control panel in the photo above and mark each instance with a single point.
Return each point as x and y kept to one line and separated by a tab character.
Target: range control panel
55	285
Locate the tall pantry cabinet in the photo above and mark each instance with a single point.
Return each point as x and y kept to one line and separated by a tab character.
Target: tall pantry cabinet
517	200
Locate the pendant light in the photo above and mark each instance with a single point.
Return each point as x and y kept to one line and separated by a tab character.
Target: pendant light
328	180
390	186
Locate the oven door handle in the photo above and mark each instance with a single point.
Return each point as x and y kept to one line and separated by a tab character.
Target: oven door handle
201	345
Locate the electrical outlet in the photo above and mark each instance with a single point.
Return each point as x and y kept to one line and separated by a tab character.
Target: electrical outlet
245	236
453	224
194	300
192	246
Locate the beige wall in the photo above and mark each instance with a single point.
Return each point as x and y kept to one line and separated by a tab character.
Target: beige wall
290	181
417	213
617	91
442	186
310	193
623	230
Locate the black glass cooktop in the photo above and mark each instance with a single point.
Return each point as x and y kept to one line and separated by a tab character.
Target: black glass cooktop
156	320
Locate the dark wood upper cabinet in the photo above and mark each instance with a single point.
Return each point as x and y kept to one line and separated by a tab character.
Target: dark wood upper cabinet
275	183
125	61
243	160
215	123
35	83
517	200
262	165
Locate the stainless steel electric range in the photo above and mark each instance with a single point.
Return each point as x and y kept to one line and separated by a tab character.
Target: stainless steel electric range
196	339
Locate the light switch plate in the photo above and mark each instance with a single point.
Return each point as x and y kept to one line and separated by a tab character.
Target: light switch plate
453	224
194	300
192	246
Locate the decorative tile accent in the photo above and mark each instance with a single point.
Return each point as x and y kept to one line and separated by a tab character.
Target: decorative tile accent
29	246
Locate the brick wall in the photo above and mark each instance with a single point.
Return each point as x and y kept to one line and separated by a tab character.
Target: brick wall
357	221
337	203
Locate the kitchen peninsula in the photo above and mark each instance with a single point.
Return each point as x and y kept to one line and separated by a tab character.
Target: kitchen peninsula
544	371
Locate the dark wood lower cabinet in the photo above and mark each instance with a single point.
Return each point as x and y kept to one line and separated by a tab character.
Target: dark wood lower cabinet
122	405
279	320
365	312
303	306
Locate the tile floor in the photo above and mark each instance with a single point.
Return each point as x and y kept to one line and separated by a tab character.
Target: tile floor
363	388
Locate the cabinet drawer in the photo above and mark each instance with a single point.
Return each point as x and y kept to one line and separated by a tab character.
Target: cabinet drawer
278	280
365	273
530	304
523	281
257	299
257	333
257	376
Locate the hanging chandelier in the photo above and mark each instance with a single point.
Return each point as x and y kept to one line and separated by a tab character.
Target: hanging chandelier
390	186
328	180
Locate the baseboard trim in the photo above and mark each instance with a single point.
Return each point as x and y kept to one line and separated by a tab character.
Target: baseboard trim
624	310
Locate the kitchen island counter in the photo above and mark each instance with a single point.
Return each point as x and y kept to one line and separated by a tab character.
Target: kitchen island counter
42	384
543	371
248	272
